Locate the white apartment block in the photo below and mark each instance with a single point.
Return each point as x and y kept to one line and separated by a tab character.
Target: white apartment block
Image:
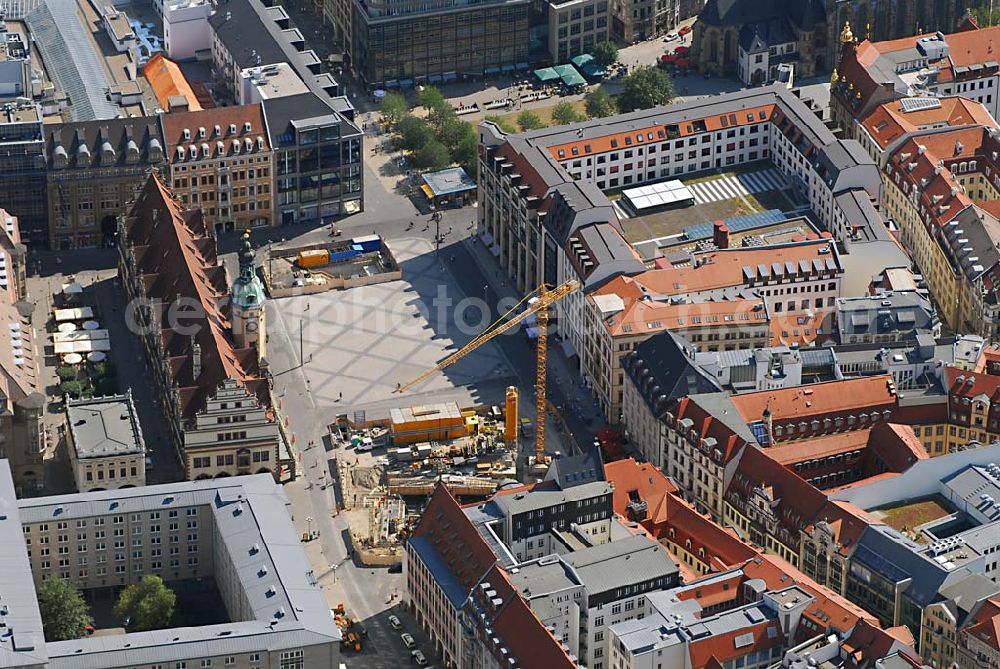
236	532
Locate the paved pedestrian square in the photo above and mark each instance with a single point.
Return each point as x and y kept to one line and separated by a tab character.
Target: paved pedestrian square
358	344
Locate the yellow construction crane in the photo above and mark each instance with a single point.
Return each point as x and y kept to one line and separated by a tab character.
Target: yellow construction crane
538	303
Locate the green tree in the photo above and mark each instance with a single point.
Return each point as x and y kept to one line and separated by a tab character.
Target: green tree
502	123
72	388
599	103
529	120
448	127
433	155
564	113
394	107
64	612
646	87
66	373
146	605
605	53
413	132
431	98
465	154
984	18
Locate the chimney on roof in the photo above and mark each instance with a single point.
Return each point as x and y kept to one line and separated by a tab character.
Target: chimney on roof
720	235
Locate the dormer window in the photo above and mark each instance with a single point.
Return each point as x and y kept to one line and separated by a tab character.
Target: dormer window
201	133
187	133
232	128
218	131
247	127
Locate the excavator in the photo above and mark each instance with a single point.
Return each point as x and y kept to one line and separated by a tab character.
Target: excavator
535	303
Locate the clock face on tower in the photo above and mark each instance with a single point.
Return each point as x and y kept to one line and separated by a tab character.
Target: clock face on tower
252	326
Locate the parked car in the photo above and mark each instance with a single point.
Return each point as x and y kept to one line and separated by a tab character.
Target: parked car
394	622
671	37
418	657
408	640
684	31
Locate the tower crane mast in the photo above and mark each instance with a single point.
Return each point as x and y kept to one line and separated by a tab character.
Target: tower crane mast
539	307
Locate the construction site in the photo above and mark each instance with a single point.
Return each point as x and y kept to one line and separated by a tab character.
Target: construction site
387	467
333	265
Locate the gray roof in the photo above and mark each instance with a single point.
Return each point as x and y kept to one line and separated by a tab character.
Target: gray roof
543	577
543	498
972	237
139	133
664	369
281	113
839	156
608	567
574	470
886	313
251	33
442	573
104	426
26	645
284	608
897	558
71	60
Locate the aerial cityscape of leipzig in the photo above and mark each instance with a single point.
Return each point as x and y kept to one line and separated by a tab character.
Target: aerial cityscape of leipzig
499	334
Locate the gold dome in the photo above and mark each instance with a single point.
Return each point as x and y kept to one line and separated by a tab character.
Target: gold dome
846	36
834	78
851	86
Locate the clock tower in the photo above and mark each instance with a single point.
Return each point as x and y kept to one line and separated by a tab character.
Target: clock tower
248	303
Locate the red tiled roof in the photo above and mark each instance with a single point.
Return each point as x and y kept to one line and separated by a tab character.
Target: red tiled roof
175	123
671	519
658	133
648	317
711	650
796	501
166	80
791	453
868	643
889	122
175	259
847	521
895	446
986	624
706	425
723	268
522	634
646	480
454	538
818	399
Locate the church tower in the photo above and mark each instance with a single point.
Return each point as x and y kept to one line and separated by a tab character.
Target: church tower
248	303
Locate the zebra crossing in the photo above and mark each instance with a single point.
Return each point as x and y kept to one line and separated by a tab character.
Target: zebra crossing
731	186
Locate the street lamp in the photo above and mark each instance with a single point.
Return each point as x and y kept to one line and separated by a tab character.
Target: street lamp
309	525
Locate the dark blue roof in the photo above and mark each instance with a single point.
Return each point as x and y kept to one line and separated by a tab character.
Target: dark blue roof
442	575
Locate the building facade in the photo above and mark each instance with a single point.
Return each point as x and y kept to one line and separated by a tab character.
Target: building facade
94	169
318	175
23	182
396	42
105	444
576	26
224	532
215	394
220	160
